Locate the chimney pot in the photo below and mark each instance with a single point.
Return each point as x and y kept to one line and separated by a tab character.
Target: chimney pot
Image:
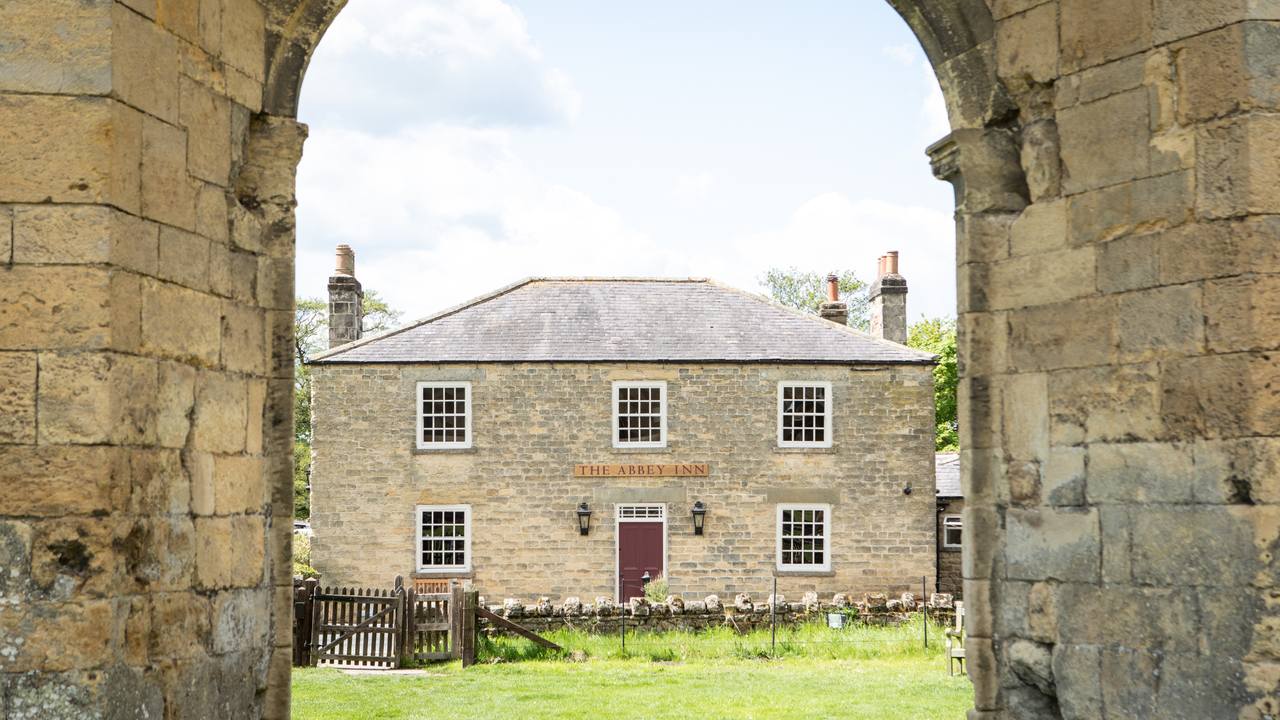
834	310
345	295
888	301
346	262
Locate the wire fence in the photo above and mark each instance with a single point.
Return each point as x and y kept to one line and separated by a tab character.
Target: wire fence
815	641
833	634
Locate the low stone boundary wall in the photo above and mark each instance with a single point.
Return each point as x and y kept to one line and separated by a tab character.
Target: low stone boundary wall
605	616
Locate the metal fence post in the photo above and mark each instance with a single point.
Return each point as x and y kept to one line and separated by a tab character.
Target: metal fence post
924	608
773	620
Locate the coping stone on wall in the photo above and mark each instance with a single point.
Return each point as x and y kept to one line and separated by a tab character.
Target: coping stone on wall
802	495
641	494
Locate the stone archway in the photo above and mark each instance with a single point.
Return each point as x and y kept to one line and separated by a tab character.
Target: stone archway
1118	265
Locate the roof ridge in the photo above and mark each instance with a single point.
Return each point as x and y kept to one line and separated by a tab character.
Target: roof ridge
826	323
495	294
423	321
920	355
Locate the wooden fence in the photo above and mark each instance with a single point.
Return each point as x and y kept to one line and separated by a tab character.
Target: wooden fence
382	628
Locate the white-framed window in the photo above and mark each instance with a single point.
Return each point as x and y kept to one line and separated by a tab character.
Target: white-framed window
804	537
647	512
444	415
444	537
804	414
639	413
952	531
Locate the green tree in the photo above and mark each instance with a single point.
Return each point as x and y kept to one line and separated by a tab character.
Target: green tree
806	291
310	336
301	496
938	336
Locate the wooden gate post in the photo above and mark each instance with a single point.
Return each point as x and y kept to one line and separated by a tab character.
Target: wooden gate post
301	628
304	634
315	623
399	624
409	634
471	599
455	622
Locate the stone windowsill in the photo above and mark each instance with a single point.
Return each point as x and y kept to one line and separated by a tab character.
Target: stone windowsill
804	573
805	450
440	451
641	451
442	575
949	549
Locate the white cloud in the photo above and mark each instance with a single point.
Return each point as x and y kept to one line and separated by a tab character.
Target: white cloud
830	233
391	63
905	54
438	215
934	109
441	214
410	161
458	31
694	187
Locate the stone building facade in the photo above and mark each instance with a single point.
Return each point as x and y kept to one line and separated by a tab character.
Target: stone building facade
950	525
534	424
1116	262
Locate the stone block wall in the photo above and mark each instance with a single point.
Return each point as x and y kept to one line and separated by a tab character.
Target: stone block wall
742	615
1118	413
146	279
531	423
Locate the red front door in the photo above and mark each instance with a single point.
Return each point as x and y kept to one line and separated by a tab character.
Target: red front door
639	551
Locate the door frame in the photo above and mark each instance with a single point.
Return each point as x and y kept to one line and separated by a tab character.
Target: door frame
617	539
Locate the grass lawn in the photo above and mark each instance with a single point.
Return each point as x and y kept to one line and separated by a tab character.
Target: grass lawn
868	673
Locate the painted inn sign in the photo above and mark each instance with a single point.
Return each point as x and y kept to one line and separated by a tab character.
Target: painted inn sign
647	470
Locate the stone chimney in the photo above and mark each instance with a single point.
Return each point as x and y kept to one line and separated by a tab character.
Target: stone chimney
888	297
834	310
345	296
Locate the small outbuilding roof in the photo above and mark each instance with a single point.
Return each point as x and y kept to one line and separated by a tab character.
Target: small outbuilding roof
947	470
622	320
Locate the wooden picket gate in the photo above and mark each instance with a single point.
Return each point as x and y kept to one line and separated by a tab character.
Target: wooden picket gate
383	628
442	626
350	627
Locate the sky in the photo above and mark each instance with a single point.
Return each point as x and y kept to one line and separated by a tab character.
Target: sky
460	145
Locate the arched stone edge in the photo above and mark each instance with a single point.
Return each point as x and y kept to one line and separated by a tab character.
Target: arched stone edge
958	36
294	30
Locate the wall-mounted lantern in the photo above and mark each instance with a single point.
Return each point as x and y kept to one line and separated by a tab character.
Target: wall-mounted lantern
584	519
699	515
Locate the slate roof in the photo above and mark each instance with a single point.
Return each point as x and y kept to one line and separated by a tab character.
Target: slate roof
947	468
621	320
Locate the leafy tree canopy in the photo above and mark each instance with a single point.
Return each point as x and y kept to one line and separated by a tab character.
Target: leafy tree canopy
938	336
806	291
